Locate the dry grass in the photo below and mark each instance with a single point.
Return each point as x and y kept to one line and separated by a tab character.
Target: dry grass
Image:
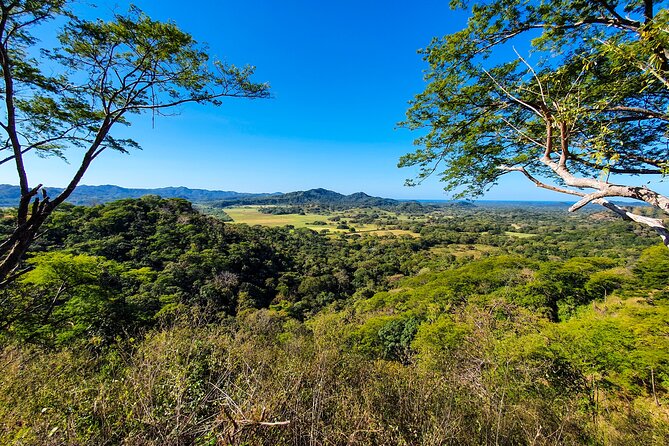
474	251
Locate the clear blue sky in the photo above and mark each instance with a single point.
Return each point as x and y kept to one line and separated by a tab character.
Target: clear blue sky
341	74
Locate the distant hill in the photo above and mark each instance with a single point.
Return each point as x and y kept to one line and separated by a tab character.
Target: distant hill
319	197
89	195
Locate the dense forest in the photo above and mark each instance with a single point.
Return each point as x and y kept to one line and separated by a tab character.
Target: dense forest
146	322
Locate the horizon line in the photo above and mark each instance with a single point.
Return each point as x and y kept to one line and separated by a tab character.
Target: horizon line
441	200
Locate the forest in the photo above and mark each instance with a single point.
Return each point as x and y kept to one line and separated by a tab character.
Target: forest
144	321
318	318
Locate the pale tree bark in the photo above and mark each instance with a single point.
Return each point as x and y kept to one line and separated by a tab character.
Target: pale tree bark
599	190
557	159
653	223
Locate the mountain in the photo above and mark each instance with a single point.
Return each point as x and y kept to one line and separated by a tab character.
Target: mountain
317	197
89	195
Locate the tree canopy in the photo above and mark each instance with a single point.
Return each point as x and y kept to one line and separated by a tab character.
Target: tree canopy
572	94
73	95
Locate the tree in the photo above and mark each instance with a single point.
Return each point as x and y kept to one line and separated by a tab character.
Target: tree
66	297
101	72
580	107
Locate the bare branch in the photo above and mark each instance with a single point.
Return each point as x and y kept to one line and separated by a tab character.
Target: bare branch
641	111
534	74
587	199
540	183
654	223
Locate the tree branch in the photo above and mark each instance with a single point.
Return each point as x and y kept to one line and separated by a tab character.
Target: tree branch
654	223
540	183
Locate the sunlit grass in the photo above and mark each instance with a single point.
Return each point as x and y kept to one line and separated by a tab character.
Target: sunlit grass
251	215
519	234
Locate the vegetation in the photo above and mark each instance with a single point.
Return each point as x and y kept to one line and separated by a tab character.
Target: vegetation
368	221
101	73
320	200
590	108
318	318
91	195
146	322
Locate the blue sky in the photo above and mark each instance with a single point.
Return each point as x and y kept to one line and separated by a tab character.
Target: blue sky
341	74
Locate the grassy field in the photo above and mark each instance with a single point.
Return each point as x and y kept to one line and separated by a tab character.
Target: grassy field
250	215
520	234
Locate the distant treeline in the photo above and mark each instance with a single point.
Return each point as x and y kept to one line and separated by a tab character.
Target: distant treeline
319	200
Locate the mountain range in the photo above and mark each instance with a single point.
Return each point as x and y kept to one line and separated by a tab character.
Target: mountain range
91	195
313	197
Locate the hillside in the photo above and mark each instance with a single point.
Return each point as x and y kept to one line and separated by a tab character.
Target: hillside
150	315
89	195
319	197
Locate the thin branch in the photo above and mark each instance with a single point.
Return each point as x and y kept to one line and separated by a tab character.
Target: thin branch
512	96
11	157
642	111
612	11
613	169
564	145
534	74
540	183
522	133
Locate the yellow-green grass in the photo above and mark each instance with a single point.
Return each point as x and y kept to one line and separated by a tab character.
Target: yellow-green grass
250	215
519	234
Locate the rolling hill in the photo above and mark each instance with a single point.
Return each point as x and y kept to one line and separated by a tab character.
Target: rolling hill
90	195
314	197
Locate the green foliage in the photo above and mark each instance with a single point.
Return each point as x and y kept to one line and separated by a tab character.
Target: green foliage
440	338
161	332
139	64
69	299
564	92
78	92
478	378
653	266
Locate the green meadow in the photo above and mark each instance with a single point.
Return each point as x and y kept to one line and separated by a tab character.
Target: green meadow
251	216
